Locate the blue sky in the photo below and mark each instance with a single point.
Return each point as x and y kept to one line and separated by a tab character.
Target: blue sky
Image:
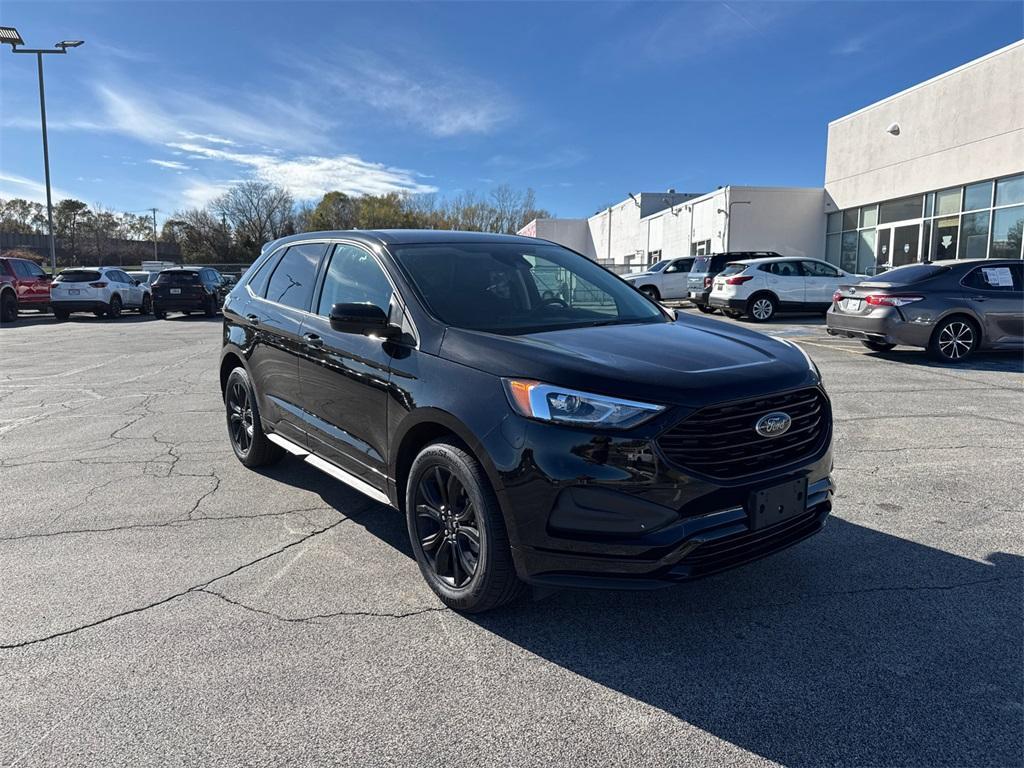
167	103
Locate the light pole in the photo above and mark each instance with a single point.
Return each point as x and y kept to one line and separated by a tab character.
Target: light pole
10	36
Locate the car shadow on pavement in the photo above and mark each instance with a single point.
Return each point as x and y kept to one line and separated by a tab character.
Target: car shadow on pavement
34	318
855	647
998	361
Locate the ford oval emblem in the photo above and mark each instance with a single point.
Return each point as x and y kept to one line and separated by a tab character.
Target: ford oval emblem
773	424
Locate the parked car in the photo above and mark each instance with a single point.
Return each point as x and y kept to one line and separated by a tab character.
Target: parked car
144	277
703	272
8	299
525	439
188	290
104	291
761	288
664	280
950	308
31	282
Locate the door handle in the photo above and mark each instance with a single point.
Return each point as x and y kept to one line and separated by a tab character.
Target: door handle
254	319
977	298
313	340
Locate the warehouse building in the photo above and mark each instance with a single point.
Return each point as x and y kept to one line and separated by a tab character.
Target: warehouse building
935	171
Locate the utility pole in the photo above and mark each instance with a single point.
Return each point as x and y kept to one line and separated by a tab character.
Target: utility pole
10	36
155	256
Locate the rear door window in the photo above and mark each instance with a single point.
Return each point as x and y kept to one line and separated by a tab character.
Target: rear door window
1001	278
819	269
785	269
291	283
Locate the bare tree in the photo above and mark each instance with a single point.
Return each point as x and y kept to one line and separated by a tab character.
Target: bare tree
257	211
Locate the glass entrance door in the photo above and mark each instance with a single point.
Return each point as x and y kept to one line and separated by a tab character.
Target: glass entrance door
882	249
905	241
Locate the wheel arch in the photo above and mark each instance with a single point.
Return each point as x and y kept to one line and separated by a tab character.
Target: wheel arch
228	362
968	315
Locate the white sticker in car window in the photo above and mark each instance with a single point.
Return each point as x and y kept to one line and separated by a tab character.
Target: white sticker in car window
998	277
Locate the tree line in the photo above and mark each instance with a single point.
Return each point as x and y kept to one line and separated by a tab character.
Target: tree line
235	225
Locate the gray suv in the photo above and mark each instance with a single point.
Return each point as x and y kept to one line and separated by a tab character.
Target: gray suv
951	308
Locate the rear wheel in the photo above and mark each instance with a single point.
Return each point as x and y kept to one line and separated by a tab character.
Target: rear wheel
114	309
8	307
878	346
954	340
147	304
732	313
210	310
61	314
707	310
762	307
457	530
159	314
651	292
245	431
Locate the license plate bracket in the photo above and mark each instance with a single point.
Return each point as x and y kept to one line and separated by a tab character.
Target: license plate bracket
776	504
175	290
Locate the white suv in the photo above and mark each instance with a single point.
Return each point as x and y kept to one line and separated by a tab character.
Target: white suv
761	288
664	280
100	290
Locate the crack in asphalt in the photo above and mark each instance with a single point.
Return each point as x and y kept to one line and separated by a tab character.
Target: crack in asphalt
174	523
314	618
169	598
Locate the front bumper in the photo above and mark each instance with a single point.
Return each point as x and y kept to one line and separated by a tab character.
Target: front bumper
589	510
887	326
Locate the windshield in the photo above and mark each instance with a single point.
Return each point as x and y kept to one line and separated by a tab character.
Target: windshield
142	277
659	265
77	276
519	288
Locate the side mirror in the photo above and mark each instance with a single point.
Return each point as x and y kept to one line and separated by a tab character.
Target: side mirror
362	319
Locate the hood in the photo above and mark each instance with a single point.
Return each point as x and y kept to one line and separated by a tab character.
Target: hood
635	275
692	362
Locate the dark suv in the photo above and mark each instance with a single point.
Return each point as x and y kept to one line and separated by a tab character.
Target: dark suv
187	290
587	437
702	274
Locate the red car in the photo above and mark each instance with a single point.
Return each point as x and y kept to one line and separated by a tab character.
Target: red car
31	283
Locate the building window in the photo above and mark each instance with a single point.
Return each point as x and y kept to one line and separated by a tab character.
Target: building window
1007	230
866	251
703	248
834	222
945	237
850	219
947	202
901	209
978	196
653	257
832	249
869	216
848	256
1010	191
974	235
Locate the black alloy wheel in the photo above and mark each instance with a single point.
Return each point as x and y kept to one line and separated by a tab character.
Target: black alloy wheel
245	431
447	527
878	346
147	304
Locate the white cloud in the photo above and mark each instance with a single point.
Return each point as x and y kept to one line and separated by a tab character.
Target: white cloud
12	185
436	99
171	164
310	176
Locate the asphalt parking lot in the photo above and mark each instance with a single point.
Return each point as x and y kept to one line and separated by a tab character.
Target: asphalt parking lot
162	605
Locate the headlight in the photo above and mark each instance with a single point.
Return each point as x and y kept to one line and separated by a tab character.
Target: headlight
547	402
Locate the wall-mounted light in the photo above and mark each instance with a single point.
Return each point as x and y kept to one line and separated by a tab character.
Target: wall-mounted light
894	129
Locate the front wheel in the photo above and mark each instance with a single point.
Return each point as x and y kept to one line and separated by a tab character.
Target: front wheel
457	530
8	307
954	340
879	346
147	305
248	440
651	293
762	308
707	310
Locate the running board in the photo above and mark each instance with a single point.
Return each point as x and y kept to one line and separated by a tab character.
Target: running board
334	471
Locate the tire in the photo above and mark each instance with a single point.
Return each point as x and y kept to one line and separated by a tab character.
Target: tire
210	310
186	312
245	430
732	313
954	340
447	497
159	314
651	292
114	308
8	307
706	309
61	314
879	346
762	307
147	304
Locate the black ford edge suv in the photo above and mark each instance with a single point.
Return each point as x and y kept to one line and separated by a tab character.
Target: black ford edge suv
535	418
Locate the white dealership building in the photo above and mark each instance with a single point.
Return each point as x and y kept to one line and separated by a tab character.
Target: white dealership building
935	171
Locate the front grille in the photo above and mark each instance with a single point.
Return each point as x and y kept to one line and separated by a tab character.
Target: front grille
720	441
739	548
